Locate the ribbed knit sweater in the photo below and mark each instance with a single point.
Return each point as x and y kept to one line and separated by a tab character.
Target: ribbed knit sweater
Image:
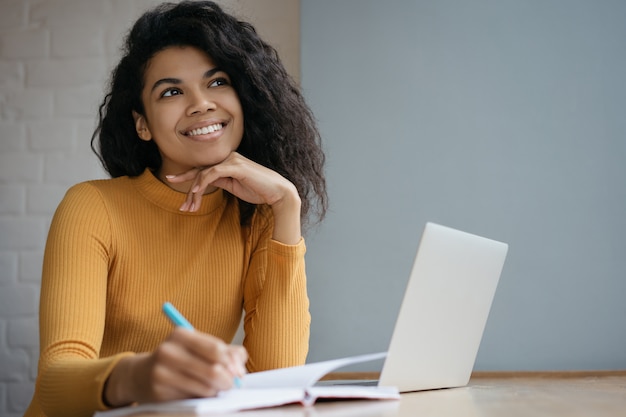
118	249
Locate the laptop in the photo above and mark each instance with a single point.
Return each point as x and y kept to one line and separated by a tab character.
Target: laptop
444	311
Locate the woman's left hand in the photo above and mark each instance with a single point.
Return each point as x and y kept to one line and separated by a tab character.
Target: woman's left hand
250	182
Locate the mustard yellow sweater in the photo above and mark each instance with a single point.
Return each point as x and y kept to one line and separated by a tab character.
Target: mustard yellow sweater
118	249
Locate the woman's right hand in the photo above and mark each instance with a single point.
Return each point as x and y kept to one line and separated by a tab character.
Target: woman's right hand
188	364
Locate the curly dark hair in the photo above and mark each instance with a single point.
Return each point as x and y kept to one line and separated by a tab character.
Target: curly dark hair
279	128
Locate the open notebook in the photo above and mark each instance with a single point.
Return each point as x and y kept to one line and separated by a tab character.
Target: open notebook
271	389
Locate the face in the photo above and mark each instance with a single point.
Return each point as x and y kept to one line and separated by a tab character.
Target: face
191	110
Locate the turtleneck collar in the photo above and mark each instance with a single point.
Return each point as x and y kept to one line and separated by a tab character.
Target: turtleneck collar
148	185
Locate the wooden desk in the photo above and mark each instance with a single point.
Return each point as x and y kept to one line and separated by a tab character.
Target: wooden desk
536	394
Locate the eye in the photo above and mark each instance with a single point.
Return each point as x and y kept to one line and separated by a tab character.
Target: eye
171	92
218	82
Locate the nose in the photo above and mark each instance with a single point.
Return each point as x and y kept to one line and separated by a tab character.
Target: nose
200	102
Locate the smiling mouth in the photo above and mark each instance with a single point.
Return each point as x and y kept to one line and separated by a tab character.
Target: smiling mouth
205	130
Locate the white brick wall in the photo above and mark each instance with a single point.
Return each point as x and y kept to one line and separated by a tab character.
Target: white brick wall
55	56
54	59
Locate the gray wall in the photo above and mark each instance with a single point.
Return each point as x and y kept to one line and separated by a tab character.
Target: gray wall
500	118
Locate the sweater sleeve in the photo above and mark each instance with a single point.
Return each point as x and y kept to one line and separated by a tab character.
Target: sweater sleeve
72	307
276	304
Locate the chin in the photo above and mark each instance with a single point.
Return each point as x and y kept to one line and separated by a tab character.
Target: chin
212	161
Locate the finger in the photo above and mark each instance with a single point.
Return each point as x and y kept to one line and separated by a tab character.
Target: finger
173	384
239	357
198	189
206	373
225	183
204	345
235	166
225	361
248	183
187	203
166	384
208	348
182	355
193	173
183	176
203	380
196	193
193	200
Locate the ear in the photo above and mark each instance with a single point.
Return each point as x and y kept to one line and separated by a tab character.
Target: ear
142	127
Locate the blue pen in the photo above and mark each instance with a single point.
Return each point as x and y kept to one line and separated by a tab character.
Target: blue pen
175	316
180	321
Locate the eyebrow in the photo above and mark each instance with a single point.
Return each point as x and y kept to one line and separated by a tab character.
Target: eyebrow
207	74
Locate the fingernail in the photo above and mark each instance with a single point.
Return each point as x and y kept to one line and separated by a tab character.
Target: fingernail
195	189
169	177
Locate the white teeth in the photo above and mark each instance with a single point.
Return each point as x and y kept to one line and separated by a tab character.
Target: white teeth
205	130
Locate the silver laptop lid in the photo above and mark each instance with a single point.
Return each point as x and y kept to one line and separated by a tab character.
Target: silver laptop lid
444	311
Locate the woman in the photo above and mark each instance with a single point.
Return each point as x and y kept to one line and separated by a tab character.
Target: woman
215	163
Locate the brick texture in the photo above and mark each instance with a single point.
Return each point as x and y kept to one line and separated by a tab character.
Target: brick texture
55	57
